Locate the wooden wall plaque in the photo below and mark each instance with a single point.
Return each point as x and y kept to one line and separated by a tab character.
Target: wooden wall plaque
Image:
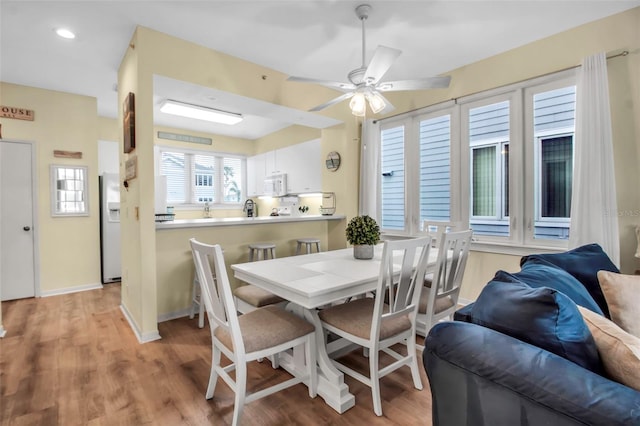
129	123
17	113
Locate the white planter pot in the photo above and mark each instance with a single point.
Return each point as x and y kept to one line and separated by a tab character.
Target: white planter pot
363	251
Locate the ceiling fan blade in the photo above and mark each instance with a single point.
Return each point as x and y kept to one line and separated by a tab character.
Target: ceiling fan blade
343	87
333	101
382	60
419	84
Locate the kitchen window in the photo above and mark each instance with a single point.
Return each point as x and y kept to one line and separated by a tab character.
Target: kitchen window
195	178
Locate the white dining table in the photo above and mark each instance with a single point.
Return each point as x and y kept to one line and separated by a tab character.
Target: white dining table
309	282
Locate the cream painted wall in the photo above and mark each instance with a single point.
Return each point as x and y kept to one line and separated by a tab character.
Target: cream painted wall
288	136
69	248
108	129
175	263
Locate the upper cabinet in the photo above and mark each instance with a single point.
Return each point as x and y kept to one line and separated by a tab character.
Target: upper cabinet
301	162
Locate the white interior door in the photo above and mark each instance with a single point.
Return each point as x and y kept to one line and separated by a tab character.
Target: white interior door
17	242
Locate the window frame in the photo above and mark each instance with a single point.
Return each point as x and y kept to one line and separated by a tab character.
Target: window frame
218	177
412	223
512	96
522	163
532	150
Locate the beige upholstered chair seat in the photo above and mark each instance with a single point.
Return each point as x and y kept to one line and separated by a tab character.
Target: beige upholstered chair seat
266	327
255	296
441	304
356	317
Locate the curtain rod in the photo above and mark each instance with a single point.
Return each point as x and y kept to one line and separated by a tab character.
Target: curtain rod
623	53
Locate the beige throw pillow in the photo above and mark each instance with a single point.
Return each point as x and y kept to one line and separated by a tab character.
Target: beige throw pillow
622	293
619	350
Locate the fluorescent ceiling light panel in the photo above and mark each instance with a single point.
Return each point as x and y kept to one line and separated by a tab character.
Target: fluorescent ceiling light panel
200	112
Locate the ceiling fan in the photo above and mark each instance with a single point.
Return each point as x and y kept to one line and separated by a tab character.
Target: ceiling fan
365	84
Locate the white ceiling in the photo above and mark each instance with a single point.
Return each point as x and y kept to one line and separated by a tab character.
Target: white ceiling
318	39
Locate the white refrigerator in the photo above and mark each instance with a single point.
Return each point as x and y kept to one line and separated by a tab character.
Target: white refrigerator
110	227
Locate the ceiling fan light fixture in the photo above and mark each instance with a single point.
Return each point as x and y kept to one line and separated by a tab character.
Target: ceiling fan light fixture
200	113
376	102
358	104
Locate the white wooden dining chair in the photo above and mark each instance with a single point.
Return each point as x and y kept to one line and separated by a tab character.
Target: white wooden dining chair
245	338
439	298
376	325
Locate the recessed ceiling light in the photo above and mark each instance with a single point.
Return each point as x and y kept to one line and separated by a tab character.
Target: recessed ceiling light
65	33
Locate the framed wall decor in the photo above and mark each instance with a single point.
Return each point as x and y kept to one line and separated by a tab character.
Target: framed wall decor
129	123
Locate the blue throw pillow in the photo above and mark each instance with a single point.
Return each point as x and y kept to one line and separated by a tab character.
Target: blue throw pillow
536	273
543	317
583	263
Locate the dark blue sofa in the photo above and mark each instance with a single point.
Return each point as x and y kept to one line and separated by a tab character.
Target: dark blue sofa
480	376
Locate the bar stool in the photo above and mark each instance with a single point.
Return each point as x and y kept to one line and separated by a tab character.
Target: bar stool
249	297
308	242
266	248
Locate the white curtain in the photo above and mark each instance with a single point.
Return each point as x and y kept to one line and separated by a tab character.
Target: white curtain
594	216
369	169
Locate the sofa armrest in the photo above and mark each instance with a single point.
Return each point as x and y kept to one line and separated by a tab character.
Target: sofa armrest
482	377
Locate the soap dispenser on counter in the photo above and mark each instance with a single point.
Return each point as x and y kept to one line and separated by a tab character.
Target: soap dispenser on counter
207	211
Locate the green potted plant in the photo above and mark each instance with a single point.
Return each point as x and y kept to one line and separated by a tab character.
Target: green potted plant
363	233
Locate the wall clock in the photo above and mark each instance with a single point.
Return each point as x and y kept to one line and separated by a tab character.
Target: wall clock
333	161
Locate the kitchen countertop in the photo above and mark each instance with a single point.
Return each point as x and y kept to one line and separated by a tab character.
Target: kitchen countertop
236	221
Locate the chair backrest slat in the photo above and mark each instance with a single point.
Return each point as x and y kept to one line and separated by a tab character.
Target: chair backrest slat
403	266
451	263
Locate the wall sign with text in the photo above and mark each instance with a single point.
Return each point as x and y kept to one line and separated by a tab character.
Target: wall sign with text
15	112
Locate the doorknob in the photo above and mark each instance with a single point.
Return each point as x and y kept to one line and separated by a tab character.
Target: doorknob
27	228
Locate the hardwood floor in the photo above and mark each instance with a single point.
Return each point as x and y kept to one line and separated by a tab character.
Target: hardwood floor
73	360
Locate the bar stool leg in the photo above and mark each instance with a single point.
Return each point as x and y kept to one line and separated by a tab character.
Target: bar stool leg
298	248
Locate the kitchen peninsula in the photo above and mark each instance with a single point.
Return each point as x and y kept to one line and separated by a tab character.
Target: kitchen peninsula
175	265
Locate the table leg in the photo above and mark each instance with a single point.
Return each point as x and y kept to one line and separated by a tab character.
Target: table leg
331	385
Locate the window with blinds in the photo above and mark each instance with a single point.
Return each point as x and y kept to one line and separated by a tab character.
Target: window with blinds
195	178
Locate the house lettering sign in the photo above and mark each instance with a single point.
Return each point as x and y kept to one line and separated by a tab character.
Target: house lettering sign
14	112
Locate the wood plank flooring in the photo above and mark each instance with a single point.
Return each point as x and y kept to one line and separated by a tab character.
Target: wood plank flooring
73	360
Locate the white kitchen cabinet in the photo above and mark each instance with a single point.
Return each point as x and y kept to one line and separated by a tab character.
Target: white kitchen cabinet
303	165
258	168
254	170
301	162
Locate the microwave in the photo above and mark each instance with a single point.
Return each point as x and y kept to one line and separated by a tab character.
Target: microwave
275	185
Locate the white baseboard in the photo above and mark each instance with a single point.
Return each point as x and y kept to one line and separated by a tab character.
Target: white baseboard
464	302
3	332
67	290
142	337
174	315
